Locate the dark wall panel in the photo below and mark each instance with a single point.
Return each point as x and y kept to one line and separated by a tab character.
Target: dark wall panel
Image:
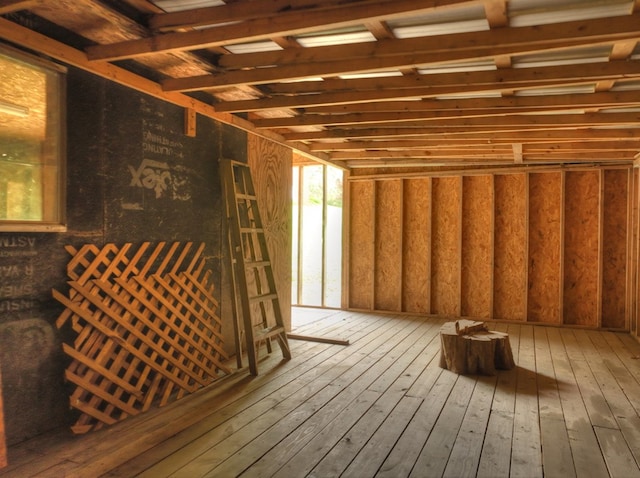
132	176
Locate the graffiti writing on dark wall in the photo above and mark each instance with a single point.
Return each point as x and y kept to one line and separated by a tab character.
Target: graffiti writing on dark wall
161	169
16	288
155	143
151	174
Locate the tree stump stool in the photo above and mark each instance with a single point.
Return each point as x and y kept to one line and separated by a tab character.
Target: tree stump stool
469	347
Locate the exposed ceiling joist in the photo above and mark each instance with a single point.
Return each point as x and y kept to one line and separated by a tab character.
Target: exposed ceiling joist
282	23
375	83
408	53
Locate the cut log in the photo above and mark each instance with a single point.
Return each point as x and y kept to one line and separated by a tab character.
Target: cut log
468	347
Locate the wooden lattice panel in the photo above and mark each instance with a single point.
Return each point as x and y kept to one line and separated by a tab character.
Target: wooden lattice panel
146	329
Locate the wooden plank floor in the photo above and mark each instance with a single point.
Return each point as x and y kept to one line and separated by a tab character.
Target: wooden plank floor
382	407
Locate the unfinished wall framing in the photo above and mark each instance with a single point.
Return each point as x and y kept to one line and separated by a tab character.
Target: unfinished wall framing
541	245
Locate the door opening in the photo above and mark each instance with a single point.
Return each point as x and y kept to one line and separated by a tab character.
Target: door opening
317	236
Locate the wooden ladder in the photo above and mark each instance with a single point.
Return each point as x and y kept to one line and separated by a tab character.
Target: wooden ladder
252	277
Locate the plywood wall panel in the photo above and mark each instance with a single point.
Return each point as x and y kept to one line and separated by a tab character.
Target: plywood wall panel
581	248
416	264
545	240
271	170
445	251
361	244
477	246
614	253
546	246
388	246
510	247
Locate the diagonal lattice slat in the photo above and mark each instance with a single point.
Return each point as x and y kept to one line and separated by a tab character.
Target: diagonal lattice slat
146	329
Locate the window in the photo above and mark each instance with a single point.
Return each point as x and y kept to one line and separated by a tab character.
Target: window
31	143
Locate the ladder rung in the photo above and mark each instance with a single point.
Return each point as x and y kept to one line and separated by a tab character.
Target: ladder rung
263	298
250	197
256	264
267	333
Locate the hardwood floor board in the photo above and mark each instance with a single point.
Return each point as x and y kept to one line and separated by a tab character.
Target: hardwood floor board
345	450
349	389
556	449
98	452
437	385
303	316
626	416
118	450
617	455
407	351
514	338
626	348
317	448
338	325
465	455
256	440
495	458
252	395
310	369
410	361
212	417
526	458
433	457
599	412
582	437
265	384
621	367
352	365
371	456
299	452
381	407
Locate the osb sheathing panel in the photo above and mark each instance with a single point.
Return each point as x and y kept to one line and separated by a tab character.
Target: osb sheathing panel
416	278
510	247
614	253
545	234
477	246
581	248
361	241
271	171
447	231
388	246
445	251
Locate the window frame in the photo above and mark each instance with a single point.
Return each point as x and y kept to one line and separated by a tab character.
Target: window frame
57	224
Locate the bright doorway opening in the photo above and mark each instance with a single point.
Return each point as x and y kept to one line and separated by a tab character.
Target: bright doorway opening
317	236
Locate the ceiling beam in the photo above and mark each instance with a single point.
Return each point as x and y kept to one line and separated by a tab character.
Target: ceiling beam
480	45
607	99
449	141
9	6
34	41
231	12
363	91
521	132
285	23
418	114
542	36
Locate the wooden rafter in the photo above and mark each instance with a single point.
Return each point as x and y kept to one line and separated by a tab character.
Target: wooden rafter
441	49
432	76
425	86
288	22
